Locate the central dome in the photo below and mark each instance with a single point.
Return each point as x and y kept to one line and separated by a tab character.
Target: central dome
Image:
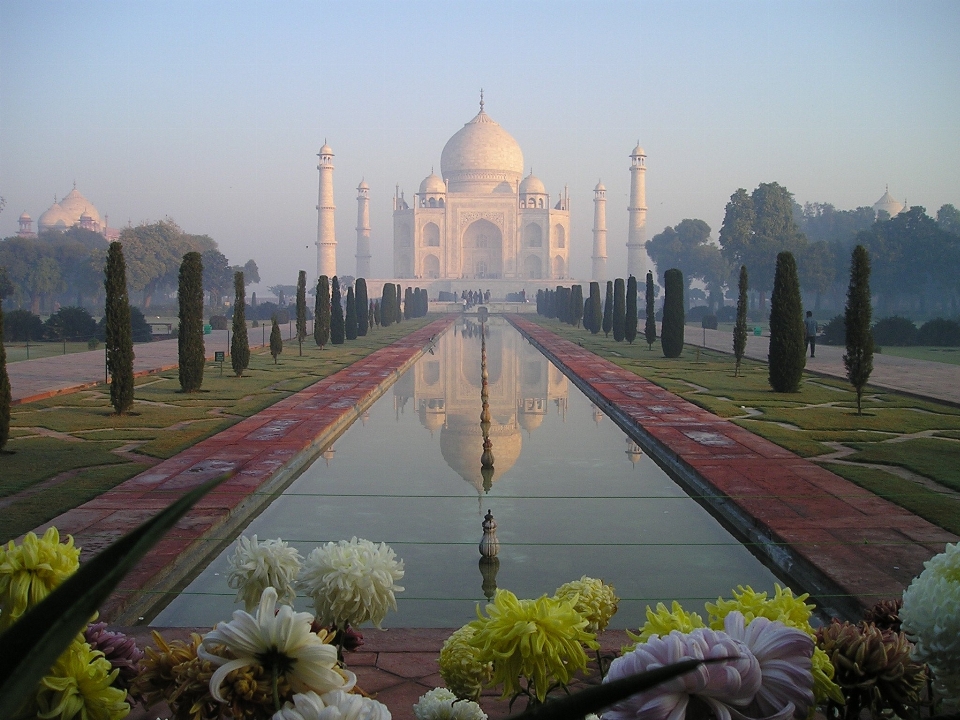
482	157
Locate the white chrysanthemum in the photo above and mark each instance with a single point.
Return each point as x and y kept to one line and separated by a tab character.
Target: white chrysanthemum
442	704
281	637
335	705
352	581
255	566
930	617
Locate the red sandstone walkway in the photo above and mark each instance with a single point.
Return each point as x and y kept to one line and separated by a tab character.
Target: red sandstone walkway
841	542
266	451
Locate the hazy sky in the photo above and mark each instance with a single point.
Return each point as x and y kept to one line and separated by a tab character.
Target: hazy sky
212	113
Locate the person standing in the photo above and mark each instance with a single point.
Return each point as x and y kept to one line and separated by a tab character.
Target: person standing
811	333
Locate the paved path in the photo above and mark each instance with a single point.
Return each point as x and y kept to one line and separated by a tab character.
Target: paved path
843	544
940	381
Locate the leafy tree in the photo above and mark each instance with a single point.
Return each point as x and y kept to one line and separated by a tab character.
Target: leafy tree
671	332
251	273
119	345
740	327
321	313
337	334
71	322
350	321
786	358
276	340
22	325
5	394
607	323
6	285
386	305
190	348
619	310
218	276
301	309
630	328
593	316
687	247
650	327
282	291
948	218
240	344
817	268
363	307
576	305
858	359
155	252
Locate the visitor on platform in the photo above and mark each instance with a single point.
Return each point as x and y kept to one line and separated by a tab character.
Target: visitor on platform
811	332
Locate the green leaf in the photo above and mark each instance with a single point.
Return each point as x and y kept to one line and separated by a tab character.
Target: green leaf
595	699
39	637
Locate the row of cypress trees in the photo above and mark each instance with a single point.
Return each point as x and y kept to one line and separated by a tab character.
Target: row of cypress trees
619	311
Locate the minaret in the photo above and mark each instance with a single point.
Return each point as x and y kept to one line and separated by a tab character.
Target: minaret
326	235
363	230
600	233
637	235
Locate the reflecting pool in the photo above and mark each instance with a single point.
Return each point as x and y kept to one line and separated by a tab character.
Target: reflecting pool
571	496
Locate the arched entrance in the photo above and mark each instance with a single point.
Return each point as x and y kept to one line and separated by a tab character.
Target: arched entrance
431	267
482	244
532	267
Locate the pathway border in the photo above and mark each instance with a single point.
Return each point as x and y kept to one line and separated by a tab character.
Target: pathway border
844	545
266	452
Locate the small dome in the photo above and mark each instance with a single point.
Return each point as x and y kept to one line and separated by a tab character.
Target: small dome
25	218
54	218
363	185
531	185
432	185
74	205
888	204
638	151
326	149
599	187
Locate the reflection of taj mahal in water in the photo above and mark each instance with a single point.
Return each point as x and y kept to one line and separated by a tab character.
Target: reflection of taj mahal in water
445	391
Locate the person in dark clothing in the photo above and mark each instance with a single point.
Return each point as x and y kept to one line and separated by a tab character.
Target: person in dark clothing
811	334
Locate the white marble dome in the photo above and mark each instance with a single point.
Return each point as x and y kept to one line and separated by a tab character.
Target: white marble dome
482	157
432	185
75	205
532	185
54	218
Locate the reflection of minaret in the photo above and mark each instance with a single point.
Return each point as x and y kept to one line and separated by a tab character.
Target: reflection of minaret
637	235
600	233
328	454
634	453
363	230
326	234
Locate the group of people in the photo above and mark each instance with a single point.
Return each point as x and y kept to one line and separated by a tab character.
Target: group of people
471	298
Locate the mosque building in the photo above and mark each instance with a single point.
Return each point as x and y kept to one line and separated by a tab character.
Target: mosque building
73	211
889	205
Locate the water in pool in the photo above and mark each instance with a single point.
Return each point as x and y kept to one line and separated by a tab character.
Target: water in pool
571	495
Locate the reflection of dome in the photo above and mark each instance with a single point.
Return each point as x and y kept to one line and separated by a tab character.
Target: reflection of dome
75	205
530	421
481	156
432	185
462	442
54	218
432	418
532	185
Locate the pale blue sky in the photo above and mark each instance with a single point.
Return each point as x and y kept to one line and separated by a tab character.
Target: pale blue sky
212	113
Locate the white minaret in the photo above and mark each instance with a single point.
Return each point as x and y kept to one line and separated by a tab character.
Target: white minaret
600	233
363	230
637	235
326	234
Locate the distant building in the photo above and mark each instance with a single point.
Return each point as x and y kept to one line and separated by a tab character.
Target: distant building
888	205
73	211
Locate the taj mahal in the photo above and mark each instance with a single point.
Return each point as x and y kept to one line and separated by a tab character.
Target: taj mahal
481	221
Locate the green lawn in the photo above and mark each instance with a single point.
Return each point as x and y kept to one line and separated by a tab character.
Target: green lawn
934	354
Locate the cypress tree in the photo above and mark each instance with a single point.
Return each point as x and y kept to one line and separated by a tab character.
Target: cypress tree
671	332
425	307
650	327
859	356
386	305
363	310
619	310
337	334
119	342
371	315
276	340
321	313
397	310
576	305
608	310
5	394
408	304
595	314
630	329
350	321
786	359
239	345
190	350
301	309
740	328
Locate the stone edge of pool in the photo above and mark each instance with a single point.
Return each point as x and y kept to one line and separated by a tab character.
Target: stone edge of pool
266	452
844	545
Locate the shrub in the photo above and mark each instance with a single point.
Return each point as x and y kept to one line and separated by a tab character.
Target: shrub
22	325
895	331
140	329
709	322
727	314
697	313
218	322
71	323
939	333
834	332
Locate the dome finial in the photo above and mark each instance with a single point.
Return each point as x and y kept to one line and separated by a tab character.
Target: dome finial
481	99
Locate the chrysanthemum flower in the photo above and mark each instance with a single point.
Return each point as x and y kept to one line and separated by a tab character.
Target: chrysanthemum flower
593	599
352	581
334	705
80	685
441	704
461	667
541	640
663	622
717	689
120	651
31	570
278	639
255	566
930	617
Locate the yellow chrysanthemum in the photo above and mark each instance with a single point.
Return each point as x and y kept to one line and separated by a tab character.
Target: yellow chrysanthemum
792	612
30	571
461	667
541	640
663	622
593	599
80	685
